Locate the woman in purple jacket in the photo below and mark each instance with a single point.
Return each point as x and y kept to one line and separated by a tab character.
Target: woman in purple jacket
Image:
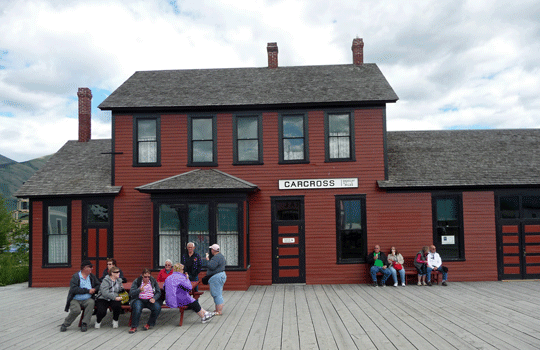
177	288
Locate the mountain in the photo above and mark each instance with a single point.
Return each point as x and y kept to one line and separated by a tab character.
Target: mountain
13	175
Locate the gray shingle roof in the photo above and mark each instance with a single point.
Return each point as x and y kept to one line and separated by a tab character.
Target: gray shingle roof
457	158
251	87
200	180
78	168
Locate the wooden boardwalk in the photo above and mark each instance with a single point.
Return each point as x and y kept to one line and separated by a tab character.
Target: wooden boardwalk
472	315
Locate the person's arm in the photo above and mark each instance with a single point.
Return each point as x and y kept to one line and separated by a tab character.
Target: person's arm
197	266
134	290
106	290
157	290
400	259
74	287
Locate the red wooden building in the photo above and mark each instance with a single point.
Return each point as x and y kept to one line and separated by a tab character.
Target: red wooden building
291	171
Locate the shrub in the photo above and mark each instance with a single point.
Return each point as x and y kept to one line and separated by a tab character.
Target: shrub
12	269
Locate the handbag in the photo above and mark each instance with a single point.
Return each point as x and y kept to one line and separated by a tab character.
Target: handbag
396	265
125	297
205	279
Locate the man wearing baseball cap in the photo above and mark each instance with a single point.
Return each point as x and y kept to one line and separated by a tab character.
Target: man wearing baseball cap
216	277
83	287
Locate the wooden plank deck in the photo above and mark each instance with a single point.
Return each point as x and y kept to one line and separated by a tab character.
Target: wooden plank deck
472	315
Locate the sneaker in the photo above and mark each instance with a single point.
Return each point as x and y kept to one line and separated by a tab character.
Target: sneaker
114	324
403	284
424	283
132	330
395	284
97	325
146	327
84	327
444	283
374	284
429	284
63	328
419	283
207	317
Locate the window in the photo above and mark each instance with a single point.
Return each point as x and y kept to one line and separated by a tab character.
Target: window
202	141
203	223
147	147
293	146
247	140
448	226
351	228
98	214
339	139
56	240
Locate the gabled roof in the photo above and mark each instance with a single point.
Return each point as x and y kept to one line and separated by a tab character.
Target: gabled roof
199	180
78	168
463	158
248	87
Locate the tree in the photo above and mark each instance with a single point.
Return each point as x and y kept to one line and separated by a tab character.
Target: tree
7	225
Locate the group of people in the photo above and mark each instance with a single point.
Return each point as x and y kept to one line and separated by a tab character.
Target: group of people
87	291
425	261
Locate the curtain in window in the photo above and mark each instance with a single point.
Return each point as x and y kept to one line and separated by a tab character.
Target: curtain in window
227	233
148	151
57	235
339	147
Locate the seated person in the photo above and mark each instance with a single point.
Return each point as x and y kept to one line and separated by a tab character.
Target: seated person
165	272
111	262
108	296
378	262
144	293
177	288
434	262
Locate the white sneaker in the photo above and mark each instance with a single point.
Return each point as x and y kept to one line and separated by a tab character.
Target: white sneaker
403	284
395	284
97	325
207	317
114	324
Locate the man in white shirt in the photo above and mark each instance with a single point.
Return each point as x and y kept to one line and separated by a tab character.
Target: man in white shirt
434	262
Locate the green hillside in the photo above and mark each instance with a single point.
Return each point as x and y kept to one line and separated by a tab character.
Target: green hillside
13	175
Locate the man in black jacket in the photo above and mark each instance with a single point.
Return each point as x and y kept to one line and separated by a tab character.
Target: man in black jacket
83	287
378	262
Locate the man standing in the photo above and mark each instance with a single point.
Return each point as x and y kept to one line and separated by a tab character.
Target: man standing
434	262
192	263
378	262
82	288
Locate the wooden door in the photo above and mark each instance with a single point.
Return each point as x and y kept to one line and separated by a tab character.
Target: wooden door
520	245
288	246
97	238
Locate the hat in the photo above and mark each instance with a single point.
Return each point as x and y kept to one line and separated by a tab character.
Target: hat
86	263
215	247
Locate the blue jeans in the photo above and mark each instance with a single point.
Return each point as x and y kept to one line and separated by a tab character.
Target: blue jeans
440	269
216	283
136	311
375	269
401	274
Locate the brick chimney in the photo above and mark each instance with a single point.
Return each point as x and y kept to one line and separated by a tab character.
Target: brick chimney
85	114
358	51
272	55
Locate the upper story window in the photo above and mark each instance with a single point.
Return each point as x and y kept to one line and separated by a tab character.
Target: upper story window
202	147
448	226
293	146
339	137
56	234
147	147
247	139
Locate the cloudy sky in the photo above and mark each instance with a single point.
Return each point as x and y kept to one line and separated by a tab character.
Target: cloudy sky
454	64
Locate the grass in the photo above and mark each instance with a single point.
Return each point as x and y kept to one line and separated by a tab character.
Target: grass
13	268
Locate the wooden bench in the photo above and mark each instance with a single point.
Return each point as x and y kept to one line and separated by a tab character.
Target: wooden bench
410	270
181	309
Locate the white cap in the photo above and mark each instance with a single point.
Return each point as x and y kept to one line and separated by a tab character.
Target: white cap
215	247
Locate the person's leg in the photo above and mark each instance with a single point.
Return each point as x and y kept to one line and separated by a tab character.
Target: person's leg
74	311
116	307
394	274
136	310
444	273
216	283
101	306
386	274
374	269
402	276
155	309
88	306
429	270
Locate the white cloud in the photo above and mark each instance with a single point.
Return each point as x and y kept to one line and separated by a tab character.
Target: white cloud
457	64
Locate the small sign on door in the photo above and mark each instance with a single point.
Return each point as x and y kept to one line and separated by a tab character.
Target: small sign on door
288	240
